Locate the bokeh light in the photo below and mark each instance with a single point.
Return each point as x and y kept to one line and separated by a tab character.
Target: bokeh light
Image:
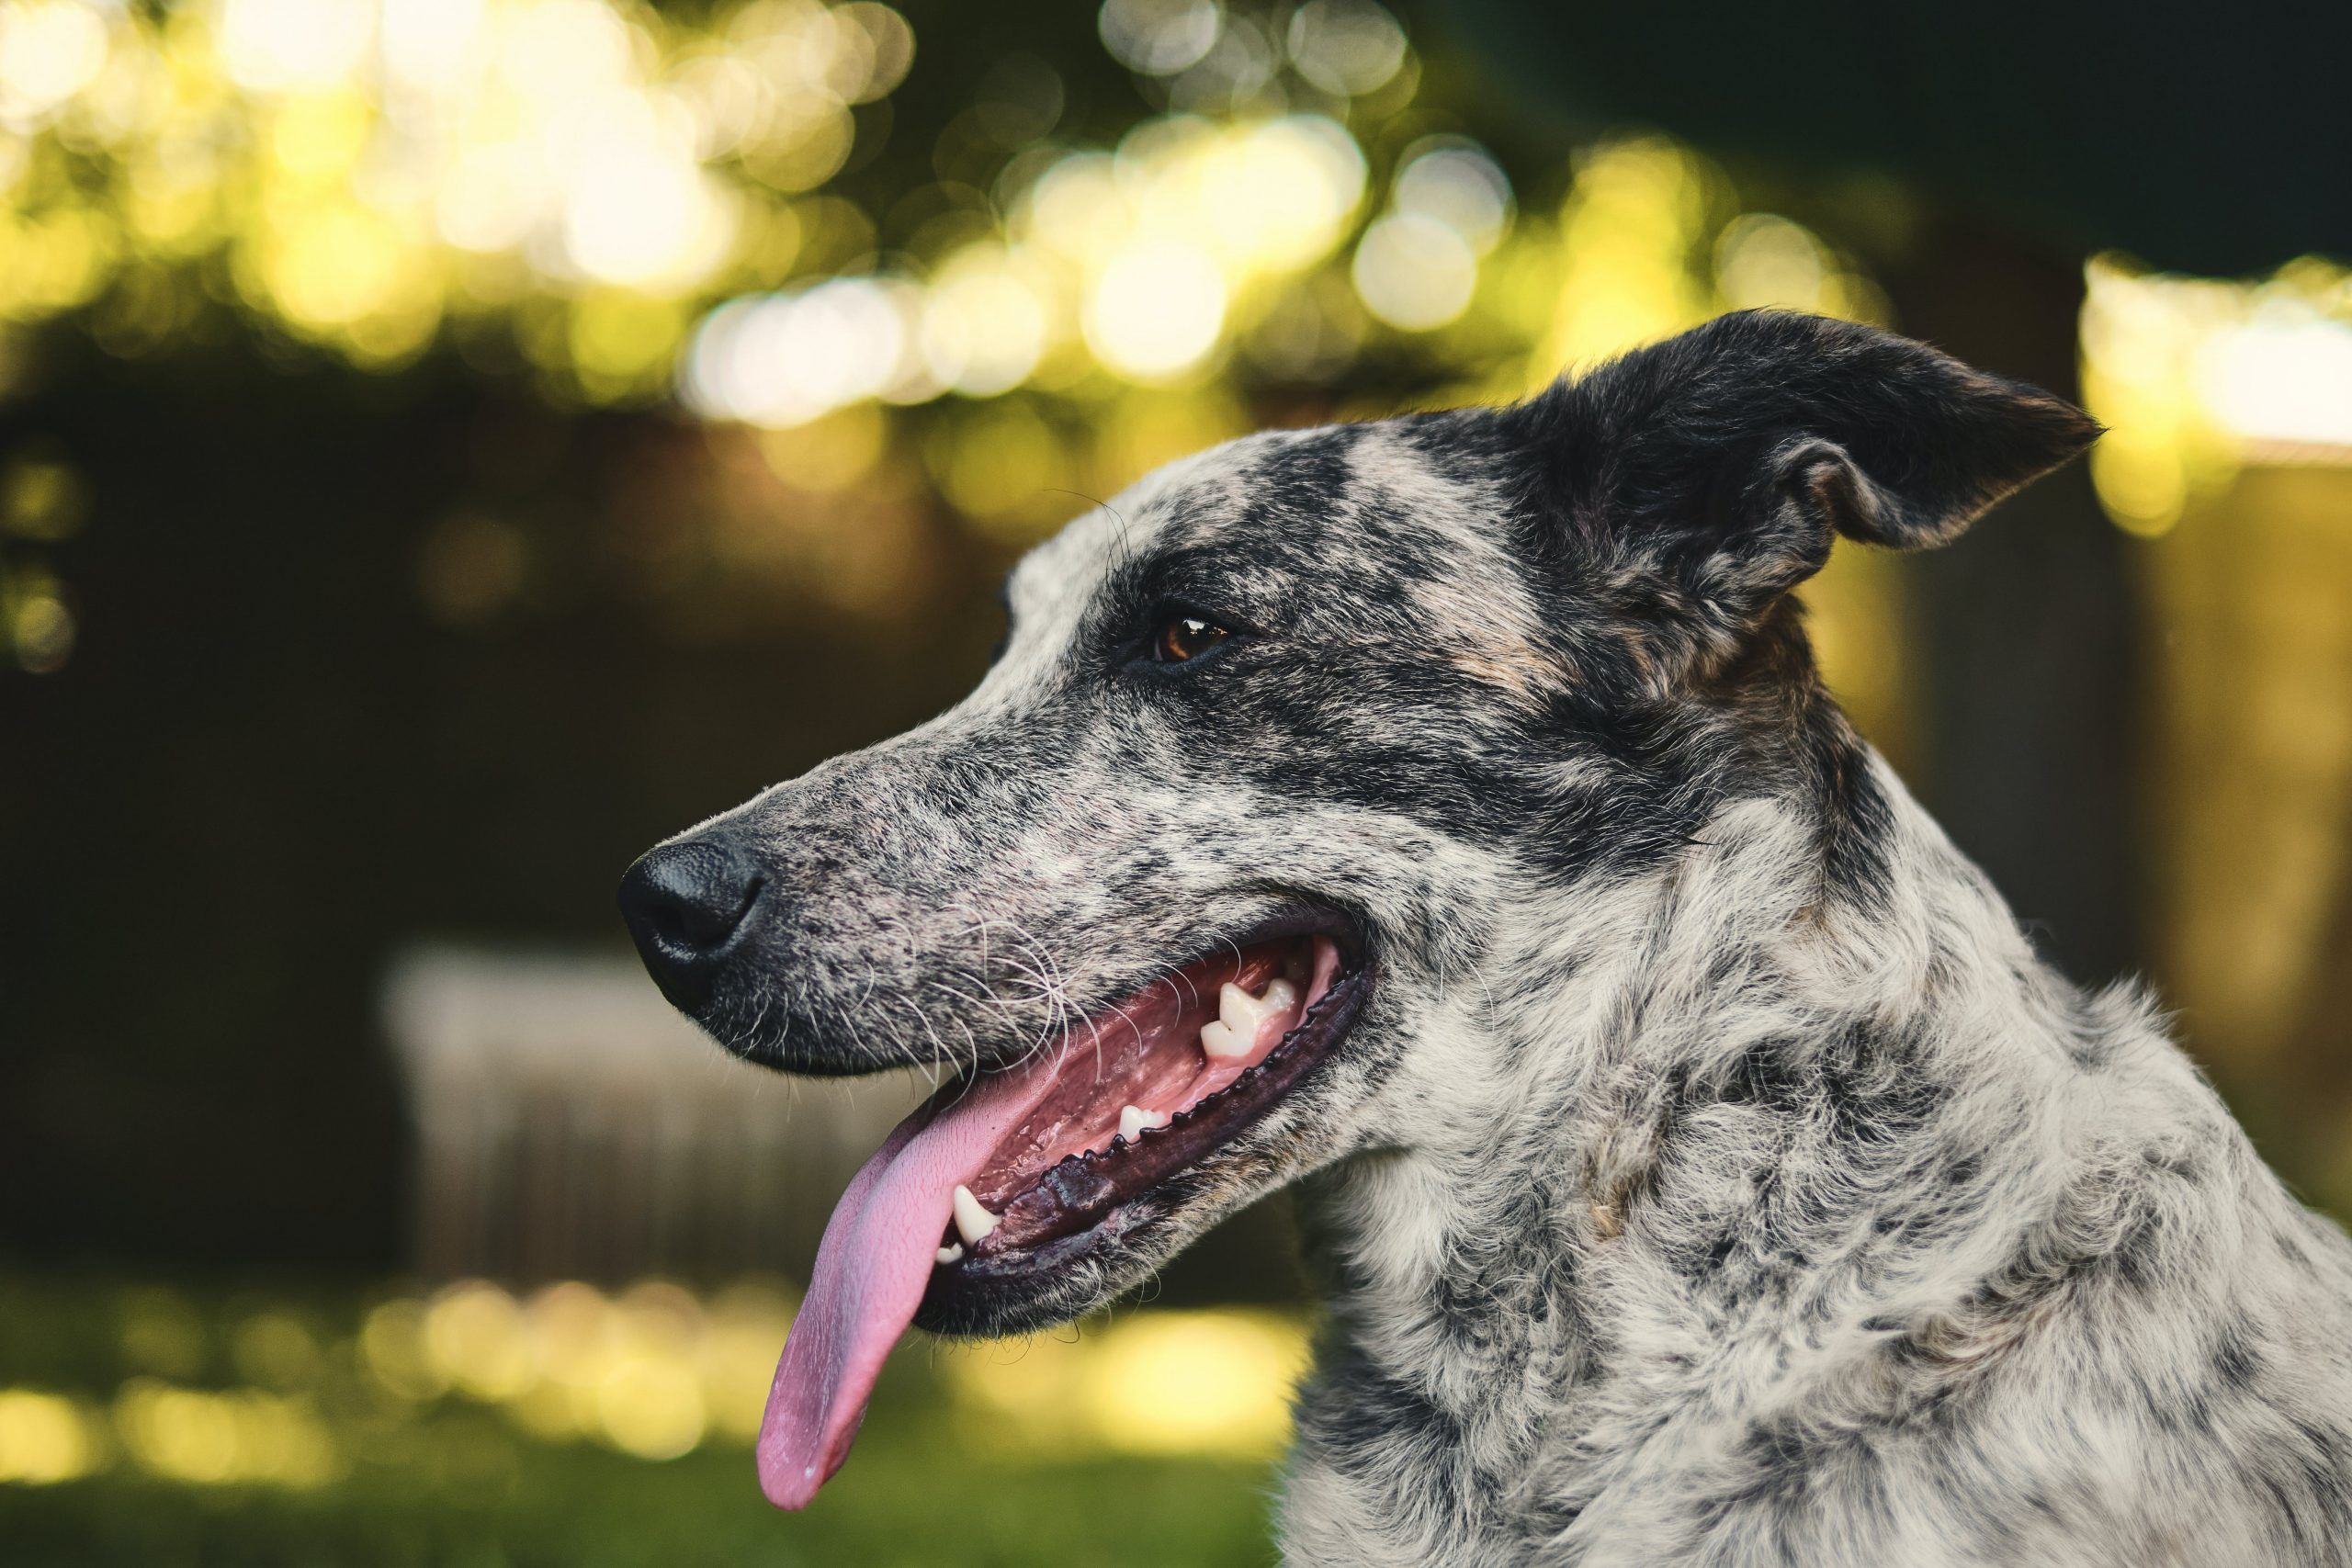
1155	310
1159	1383
1346	47
2194	377
238	1436
2283	375
46	1438
1160	38
1452	180
642	204
371	171
1414	272
653	1371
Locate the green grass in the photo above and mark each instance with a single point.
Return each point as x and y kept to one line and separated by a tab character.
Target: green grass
935	1480
477	1497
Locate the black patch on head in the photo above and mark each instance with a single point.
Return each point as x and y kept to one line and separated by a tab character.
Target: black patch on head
1297	481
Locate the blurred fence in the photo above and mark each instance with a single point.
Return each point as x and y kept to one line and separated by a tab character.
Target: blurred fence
2249	799
572	1126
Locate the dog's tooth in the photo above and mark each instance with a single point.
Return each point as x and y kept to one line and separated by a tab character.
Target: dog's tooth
1220	1042
972	1221
1234	1033
952	1254
1133	1120
1239	1011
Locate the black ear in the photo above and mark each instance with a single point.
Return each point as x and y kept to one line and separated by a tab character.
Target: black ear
1727	458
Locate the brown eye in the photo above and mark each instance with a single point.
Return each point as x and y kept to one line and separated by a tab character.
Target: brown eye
1186	638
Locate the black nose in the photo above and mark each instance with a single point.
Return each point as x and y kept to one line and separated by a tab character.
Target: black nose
685	904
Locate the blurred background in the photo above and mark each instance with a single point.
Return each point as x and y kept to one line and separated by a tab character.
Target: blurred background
447	446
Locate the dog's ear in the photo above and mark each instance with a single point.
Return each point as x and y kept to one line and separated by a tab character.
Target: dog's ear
1727	458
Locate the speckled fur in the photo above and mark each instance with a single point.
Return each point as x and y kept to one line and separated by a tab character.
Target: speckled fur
1716	1176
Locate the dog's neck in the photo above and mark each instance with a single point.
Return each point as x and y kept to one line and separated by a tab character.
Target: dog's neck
1677	1148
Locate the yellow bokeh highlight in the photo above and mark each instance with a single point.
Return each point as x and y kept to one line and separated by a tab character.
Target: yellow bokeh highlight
39	628
988	320
53	259
1156	310
1414	273
241	1437
49	51
46	1438
622	343
2140	343
1631	232
639	199
656	1370
319	137
2197	377
474	1341
653	1371
340	271
1149	260
358	162
1216	1383
393	1351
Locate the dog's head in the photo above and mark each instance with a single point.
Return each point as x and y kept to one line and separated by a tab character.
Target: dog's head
1275	739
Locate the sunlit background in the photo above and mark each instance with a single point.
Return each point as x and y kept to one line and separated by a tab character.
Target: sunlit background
448	445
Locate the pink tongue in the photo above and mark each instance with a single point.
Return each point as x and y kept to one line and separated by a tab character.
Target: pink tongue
871	1269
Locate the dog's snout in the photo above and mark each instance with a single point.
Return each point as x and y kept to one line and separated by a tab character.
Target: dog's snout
685	904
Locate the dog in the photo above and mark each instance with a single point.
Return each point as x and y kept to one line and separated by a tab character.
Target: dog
1443	815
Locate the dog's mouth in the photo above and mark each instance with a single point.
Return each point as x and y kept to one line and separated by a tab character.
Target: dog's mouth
1142	1094
1002	1181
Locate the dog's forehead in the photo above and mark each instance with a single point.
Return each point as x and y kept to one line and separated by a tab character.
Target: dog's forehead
1365	500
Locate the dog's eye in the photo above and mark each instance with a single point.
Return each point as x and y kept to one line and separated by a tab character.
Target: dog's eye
1184	636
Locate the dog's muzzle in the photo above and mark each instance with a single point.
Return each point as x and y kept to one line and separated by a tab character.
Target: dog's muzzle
688	904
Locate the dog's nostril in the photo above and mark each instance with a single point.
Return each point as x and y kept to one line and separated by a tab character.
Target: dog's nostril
685	902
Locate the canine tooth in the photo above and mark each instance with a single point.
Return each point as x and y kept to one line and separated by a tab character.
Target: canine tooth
952	1254
972	1221
1220	1040
1133	1120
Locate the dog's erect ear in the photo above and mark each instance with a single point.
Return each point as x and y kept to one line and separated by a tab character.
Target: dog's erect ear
1729	456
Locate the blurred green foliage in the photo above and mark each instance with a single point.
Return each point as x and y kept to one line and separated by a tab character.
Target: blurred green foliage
477	1496
452	1480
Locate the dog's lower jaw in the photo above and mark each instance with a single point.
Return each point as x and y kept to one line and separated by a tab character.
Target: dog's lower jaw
1899	1250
